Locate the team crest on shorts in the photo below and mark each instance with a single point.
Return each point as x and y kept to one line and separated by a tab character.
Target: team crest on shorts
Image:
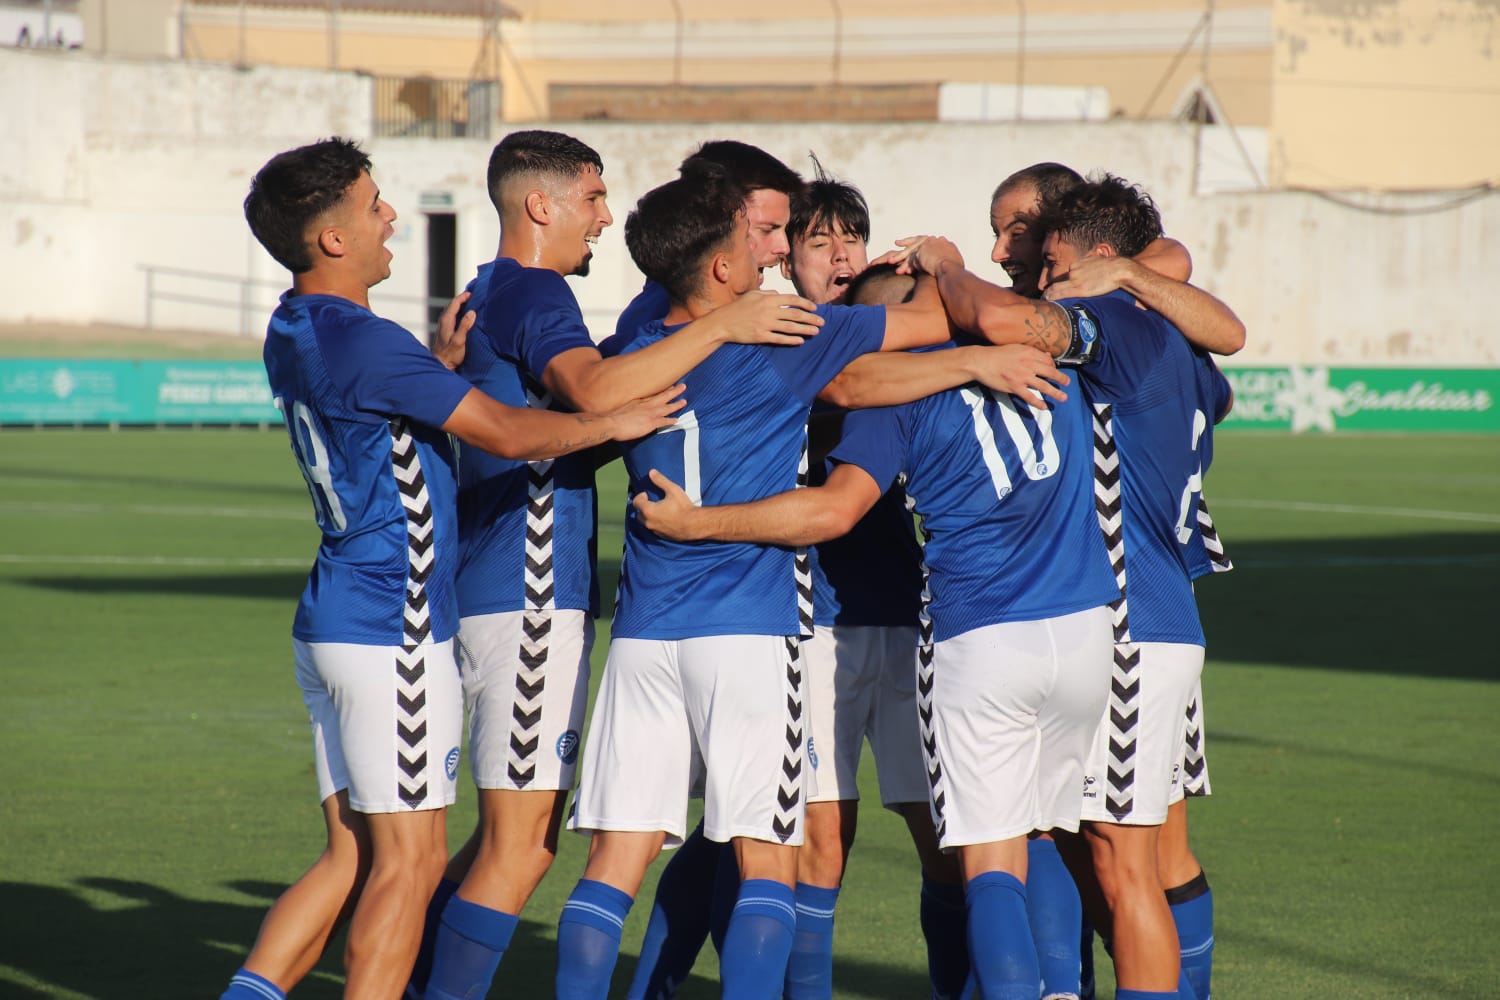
450	764
567	746
812	754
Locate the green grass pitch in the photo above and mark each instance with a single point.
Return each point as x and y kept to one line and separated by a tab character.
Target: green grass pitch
158	791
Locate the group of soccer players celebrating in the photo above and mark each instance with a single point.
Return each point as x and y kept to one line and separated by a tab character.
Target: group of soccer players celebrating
1026	673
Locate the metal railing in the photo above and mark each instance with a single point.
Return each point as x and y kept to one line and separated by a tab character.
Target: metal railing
252	299
428	108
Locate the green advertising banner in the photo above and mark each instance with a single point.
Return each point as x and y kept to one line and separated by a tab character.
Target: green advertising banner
50	391
1302	398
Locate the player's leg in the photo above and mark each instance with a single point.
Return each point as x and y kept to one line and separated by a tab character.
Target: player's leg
680	915
1186	886
896	741
295	932
385	724
526	683
408	851
744	696
841	667
403	761
1055	911
632	796
1134	766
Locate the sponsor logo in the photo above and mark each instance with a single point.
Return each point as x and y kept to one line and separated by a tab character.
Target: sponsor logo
1324	399
450	764
1088	786
567	746
812	754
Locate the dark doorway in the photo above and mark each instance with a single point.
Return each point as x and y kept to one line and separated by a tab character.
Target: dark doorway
442	265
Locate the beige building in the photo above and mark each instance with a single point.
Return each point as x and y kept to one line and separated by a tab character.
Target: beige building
1328	94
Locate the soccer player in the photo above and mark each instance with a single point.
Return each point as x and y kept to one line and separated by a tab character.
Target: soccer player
527	590
866	587
1014	673
1157	279
368	410
703	667
1154	445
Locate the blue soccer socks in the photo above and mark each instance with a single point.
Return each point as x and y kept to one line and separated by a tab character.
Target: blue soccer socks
467	949
248	986
944	926
679	918
588	940
1192	906
1000	942
753	963
809	969
1056	914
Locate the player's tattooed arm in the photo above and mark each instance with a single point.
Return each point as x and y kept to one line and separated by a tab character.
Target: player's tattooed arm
994	313
1203	319
890	379
586	381
524	434
796	517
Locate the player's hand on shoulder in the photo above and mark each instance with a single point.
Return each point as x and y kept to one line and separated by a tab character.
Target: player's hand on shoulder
451	341
672	515
922	254
768	318
1091	276
640	417
1023	371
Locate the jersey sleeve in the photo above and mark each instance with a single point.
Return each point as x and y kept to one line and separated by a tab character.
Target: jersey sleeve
381	369
1130	343
877	440
650	305
551	324
1219	391
848	332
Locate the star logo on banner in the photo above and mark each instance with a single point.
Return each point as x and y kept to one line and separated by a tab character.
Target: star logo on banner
1311	401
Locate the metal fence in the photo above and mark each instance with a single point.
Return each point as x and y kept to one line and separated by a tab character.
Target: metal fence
428	108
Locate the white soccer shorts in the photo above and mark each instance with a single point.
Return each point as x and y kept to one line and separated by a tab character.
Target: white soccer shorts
526	685
1194	783
1013	710
386	722
735	701
861	682
1134	770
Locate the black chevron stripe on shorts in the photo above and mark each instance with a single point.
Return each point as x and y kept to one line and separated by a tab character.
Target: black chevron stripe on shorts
411	667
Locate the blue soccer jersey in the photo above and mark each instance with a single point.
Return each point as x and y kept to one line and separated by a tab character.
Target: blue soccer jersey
651	303
1163	399
740	438
363	401
1005	493
527	529
873	575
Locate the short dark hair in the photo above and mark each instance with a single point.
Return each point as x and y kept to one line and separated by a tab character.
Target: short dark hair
676	227
295	187
751	167
830	201
1051	180
537	151
1107	209
881	285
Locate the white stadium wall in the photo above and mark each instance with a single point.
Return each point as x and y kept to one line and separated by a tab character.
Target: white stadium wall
112	167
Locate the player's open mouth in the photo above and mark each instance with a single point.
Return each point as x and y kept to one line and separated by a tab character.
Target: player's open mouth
1016	271
843	278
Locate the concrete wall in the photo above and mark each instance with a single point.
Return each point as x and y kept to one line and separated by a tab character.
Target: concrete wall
117	166
1386	94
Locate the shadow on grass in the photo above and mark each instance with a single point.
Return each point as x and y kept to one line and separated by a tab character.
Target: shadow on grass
1415	605
278	585
117	939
